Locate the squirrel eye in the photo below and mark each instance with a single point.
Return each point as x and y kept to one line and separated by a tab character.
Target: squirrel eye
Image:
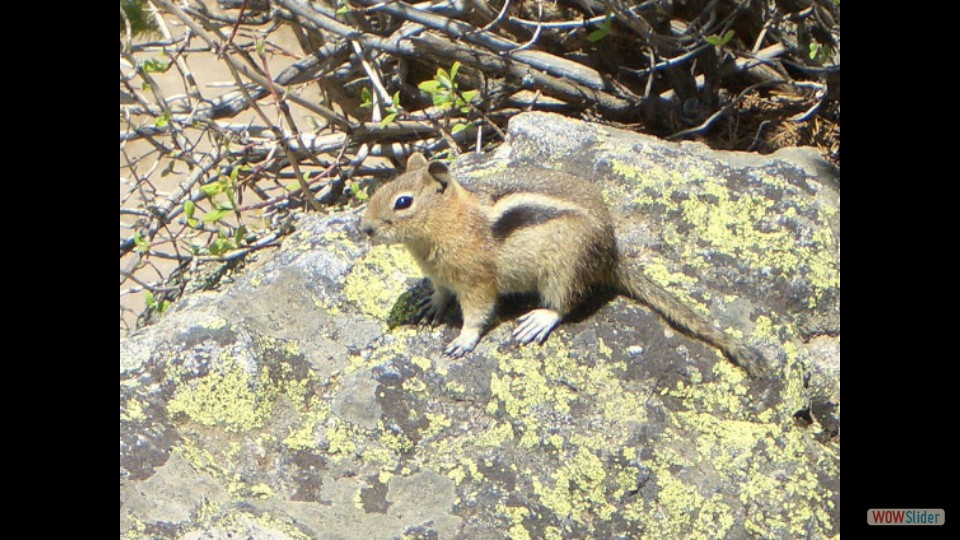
403	202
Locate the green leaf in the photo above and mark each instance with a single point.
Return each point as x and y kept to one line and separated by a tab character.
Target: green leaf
470	95
154	66
430	87
442	101
162	120
718	41
212	189
152	303
453	70
239	235
457	128
444	78
597	35
388	119
140	242
221	246
214	216
189	208
231	199
603	30
366	100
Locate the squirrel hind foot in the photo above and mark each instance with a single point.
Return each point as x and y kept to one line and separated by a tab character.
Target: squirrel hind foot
536	325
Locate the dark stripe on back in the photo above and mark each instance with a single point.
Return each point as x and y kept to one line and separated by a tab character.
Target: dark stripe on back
524	216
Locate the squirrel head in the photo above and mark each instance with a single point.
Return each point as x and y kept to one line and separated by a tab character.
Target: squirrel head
403	209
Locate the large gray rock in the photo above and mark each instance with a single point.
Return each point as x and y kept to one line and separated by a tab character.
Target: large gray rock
298	402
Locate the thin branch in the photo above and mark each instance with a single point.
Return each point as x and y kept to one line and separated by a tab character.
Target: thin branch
236	24
571	25
722	111
246	70
670	62
173	206
529	78
820	97
536	33
193	90
279	134
503	11
458	30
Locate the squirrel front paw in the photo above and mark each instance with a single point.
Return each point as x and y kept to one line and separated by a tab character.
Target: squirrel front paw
431	309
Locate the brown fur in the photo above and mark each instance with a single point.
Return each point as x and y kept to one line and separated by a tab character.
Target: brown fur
544	232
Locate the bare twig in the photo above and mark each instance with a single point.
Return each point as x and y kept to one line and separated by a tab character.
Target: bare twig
554	65
529	78
723	110
536	33
503	11
245	68
821	91
278	132
670	62
236	24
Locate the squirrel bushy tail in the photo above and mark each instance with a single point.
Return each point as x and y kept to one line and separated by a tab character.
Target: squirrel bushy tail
682	317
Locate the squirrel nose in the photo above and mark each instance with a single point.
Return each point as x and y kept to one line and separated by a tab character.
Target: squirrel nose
367	230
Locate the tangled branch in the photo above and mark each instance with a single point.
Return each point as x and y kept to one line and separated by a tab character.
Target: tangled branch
376	79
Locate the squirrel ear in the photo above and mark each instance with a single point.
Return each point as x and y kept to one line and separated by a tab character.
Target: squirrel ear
439	171
416	161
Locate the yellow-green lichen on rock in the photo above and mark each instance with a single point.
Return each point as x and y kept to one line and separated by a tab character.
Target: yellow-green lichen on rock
228	397
576	489
342	439
742	224
516	514
379	279
133	410
530	387
741	451
304	434
494	169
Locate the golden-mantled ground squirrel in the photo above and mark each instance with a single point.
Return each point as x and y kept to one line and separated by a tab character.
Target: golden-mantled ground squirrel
543	231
